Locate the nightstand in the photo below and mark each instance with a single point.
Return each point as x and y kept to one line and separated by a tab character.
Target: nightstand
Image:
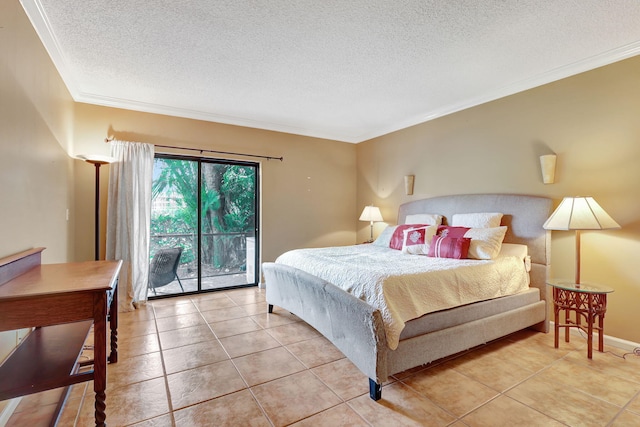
588	302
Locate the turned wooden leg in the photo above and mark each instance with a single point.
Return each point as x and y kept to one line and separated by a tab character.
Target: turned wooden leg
100	356
101	406
113	325
113	355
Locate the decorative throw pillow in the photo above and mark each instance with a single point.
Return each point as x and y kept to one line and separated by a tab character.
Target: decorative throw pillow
431	219
485	242
448	231
449	247
397	239
416	241
477	220
385	237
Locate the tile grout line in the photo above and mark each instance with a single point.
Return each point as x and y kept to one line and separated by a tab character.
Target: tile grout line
234	365
164	368
456	418
77	417
624	408
306	368
342	401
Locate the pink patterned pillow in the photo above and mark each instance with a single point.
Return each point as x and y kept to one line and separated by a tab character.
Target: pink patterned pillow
449	247
398	235
416	240
448	231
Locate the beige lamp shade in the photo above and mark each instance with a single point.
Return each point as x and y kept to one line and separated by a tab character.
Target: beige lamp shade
371	213
96	159
579	213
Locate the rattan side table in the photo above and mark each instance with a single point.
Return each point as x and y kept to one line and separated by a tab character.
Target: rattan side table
588	302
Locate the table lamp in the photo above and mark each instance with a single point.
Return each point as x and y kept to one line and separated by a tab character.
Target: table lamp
371	214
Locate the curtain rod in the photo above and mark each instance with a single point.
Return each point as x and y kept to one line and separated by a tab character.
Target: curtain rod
211	151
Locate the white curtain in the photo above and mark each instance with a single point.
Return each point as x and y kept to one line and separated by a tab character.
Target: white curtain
129	218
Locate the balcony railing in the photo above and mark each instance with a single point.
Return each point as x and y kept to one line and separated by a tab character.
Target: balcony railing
223	254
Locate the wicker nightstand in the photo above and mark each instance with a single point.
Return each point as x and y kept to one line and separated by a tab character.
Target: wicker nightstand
589	303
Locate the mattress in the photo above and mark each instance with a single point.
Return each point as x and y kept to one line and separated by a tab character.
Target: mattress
468	313
405	287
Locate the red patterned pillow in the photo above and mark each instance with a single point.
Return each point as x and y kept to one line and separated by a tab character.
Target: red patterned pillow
398	235
448	231
449	247
417	240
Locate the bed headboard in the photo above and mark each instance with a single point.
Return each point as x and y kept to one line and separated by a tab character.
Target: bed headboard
523	215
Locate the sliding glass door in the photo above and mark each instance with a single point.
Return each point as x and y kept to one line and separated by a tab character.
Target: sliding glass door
209	209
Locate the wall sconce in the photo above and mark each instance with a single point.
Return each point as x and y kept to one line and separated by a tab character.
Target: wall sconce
548	166
408	184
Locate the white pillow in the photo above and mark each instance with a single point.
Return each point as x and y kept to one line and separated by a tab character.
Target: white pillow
431	219
385	237
485	242
417	240
477	220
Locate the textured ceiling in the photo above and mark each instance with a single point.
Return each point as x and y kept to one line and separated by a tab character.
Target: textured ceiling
336	69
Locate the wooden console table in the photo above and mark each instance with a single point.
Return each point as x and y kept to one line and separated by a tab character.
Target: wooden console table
61	301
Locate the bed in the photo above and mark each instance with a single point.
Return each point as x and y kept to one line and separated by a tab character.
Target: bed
361	329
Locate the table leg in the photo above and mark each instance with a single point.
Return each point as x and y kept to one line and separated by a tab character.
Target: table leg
556	321
567	321
601	333
590	309
100	356
113	325
601	324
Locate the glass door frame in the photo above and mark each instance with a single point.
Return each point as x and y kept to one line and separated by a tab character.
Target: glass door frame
256	229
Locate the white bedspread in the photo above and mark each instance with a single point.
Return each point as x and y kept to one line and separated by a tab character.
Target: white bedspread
404	287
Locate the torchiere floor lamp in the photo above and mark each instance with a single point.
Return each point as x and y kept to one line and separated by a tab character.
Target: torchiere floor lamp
97	161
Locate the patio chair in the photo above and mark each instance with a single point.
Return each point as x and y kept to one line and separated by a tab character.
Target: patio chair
163	268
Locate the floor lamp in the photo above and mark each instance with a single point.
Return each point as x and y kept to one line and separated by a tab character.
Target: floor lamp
97	161
579	213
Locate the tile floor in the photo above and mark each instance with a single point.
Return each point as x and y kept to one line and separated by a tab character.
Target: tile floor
220	360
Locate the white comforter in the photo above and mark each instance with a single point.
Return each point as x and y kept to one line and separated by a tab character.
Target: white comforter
404	287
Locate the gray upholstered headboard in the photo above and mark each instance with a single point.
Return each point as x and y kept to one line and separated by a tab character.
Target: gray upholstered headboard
523	215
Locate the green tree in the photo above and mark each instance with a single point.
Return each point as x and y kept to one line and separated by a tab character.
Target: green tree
227	199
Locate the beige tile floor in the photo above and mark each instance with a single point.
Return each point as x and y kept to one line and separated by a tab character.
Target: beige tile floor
220	360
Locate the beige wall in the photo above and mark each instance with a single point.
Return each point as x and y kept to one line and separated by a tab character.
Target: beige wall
308	199
36	115
36	174
592	122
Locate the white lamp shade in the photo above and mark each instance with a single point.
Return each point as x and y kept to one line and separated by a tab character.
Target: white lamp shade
96	158
371	213
579	213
